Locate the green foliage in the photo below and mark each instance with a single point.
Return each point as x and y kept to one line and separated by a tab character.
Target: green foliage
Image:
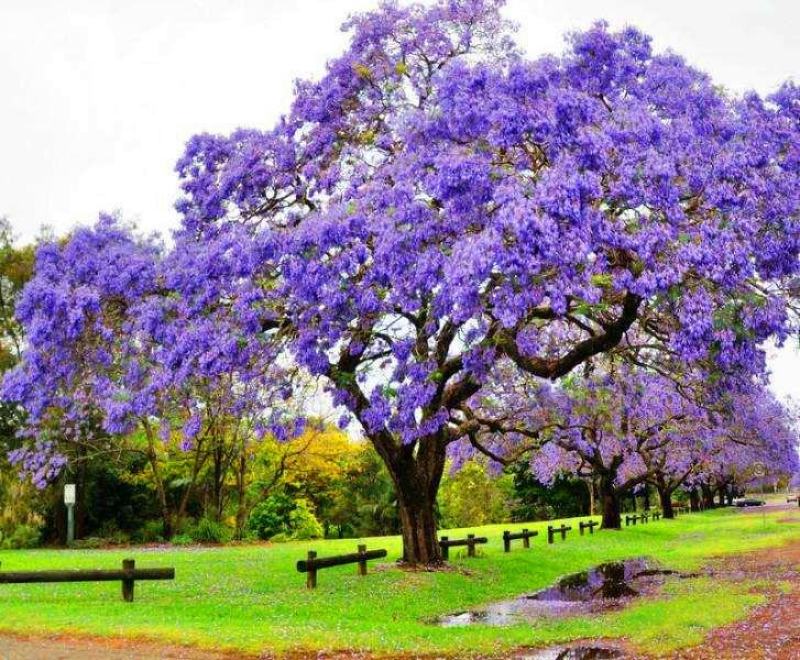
16	268
363	502
271	516
303	524
182	540
210	531
280	516
567	496
22	537
472	496
21	506
151	531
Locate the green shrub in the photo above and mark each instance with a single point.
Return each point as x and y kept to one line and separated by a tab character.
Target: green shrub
89	543
182	539
271	516
303	523
472	496
210	531
151	532
22	538
281	518
112	535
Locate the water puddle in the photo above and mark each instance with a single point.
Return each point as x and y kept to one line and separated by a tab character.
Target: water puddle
574	653
605	587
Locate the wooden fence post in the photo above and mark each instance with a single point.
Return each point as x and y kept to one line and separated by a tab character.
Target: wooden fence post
506	541
445	548
362	565
549	533
470	545
526	541
311	577
128	583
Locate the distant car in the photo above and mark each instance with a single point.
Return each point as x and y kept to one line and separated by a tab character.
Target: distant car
748	501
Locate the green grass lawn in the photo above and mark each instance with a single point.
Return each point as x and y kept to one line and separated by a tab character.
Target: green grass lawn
252	598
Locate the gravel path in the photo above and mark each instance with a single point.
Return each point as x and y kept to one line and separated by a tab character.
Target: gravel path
772	631
69	648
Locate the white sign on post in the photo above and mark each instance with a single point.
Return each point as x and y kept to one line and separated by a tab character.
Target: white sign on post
69	494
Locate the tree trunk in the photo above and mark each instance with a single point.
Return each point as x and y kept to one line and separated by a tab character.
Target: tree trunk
199	461
152	457
665	497
721	494
81	509
610	502
708	497
694	500
646	502
420	538
218	479
416	479
241	492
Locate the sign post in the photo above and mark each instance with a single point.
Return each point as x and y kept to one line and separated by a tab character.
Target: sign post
760	471
69	500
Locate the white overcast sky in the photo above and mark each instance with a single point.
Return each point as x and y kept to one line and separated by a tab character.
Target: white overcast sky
97	97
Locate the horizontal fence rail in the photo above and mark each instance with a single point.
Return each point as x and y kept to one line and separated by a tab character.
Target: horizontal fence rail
552	531
471	541
127	576
312	563
36	577
525	535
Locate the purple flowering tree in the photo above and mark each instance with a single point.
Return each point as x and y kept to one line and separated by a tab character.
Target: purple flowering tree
756	438
722	441
108	340
622	427
437	204
625	427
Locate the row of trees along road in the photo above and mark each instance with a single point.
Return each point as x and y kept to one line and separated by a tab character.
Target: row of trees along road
437	211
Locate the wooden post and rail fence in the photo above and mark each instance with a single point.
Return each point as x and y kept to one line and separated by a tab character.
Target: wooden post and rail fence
471	541
525	535
311	564
128	576
552	531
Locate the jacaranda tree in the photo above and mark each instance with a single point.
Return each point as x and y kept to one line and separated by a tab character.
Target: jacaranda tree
108	338
623	426
438	202
756	439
